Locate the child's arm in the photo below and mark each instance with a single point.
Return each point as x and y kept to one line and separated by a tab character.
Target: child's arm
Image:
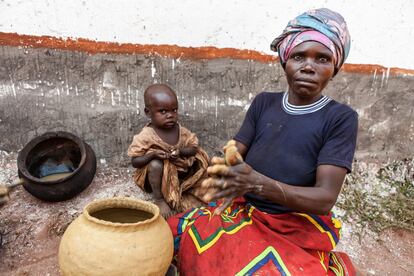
141	161
184	152
188	151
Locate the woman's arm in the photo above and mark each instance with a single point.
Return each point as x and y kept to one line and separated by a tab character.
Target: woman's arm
237	180
317	200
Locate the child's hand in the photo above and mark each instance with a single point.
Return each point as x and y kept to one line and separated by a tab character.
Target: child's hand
162	155
175	153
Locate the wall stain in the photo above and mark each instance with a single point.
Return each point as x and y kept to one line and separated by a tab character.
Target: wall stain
171	51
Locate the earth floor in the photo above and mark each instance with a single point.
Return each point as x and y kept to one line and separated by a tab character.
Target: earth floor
32	229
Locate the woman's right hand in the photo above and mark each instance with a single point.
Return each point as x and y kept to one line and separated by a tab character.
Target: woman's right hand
230	177
230	182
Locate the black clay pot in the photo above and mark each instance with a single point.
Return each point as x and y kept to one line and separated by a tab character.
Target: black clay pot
53	153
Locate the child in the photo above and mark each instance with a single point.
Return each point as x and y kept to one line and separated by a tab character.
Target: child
167	157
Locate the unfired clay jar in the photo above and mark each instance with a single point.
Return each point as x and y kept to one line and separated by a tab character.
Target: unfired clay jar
118	236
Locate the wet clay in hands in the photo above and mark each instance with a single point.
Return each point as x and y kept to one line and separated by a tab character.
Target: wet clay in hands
221	167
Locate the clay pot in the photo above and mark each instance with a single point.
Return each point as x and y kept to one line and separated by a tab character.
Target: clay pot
45	155
119	236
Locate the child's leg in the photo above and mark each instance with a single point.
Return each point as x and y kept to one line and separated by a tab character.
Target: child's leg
155	171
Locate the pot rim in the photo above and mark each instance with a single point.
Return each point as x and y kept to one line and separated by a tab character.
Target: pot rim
21	158
121	202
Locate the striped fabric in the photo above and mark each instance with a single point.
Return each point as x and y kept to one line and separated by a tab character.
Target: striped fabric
303	109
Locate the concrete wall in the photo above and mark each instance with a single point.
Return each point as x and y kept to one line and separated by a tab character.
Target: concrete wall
94	89
99	98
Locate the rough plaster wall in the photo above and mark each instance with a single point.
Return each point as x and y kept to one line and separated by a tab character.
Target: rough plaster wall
99	98
380	29
386	113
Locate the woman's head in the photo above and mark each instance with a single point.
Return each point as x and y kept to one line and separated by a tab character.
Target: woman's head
321	25
312	48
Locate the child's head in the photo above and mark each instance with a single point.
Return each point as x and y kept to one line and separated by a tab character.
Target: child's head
161	106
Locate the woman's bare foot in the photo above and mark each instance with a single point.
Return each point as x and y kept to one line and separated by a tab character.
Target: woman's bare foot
165	209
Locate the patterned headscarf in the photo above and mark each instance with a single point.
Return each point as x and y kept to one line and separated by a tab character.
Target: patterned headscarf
329	24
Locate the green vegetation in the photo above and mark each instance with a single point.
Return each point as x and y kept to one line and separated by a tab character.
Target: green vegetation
375	199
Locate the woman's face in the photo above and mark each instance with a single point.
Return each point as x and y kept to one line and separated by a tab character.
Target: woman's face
308	70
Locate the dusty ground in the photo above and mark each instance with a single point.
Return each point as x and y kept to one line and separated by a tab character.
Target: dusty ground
32	229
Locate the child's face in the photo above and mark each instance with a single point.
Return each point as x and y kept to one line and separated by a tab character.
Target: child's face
163	110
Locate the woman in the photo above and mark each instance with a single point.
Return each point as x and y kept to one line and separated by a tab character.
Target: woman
298	146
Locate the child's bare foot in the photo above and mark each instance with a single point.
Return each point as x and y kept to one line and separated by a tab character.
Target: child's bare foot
165	209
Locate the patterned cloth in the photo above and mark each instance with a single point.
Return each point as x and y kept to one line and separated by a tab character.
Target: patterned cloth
181	193
309	36
329	23
246	241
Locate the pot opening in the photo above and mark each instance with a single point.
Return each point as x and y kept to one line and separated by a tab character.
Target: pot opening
122	215
53	159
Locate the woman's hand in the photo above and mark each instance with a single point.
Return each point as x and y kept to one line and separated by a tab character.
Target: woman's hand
230	178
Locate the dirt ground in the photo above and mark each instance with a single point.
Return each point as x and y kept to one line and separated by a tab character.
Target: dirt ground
32	229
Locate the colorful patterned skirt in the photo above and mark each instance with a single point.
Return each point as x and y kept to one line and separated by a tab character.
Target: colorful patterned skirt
246	241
